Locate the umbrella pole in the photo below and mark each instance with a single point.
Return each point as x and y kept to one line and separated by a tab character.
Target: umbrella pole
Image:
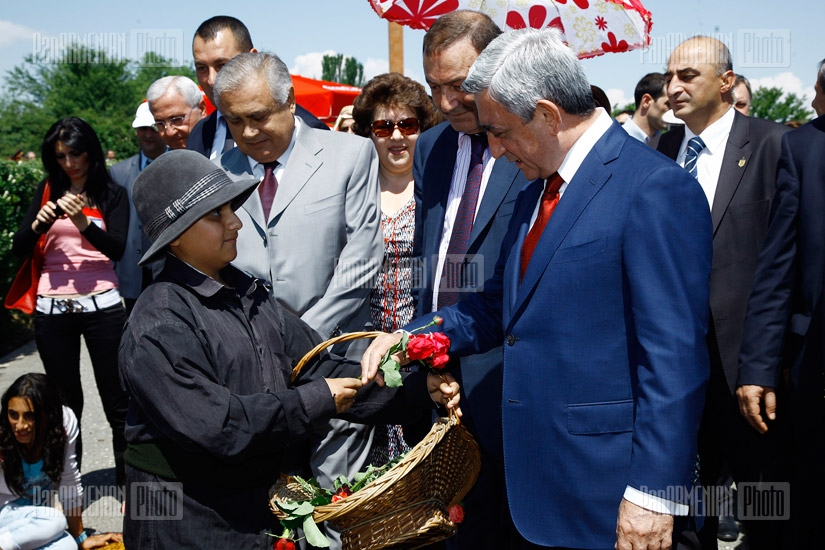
396	47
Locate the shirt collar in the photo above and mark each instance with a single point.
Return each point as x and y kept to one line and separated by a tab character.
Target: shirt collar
716	135
576	155
633	129
258	168
203	284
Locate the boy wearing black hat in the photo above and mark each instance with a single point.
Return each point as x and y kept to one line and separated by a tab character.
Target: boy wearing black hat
206	358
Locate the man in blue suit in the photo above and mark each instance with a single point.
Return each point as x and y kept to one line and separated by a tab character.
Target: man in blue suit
441	170
785	324
602	310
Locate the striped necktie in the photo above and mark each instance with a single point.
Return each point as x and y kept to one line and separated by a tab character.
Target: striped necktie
694	147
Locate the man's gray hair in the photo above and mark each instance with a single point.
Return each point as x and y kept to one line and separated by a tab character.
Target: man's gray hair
247	67
187	89
523	66
820	75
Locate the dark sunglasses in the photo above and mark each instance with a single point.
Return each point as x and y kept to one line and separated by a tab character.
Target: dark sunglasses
385	128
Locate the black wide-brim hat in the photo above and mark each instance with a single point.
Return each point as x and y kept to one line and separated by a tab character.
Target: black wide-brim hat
177	189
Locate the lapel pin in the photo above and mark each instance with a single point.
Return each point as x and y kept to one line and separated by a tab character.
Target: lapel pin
742	162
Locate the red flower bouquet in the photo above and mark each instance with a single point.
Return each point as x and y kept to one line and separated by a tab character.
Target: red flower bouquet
428	349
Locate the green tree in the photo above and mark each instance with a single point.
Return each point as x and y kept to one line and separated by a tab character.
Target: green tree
83	83
769	103
346	70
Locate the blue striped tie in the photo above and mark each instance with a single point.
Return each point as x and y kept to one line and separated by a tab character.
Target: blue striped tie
694	147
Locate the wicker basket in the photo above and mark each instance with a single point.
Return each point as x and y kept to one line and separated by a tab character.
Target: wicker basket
407	506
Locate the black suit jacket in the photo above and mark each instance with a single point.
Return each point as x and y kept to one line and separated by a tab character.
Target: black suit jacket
203	134
784	326
740	213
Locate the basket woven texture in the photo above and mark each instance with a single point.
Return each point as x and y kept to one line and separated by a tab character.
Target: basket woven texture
407	506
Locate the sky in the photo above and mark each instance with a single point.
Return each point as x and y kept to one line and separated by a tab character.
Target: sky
773	43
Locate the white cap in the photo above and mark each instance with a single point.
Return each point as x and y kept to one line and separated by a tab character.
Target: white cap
670	118
143	117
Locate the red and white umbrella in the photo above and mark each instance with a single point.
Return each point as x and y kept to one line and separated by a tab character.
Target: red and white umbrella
590	27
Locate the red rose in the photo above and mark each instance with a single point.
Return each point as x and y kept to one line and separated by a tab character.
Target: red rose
283	544
456	513
419	347
439	361
442	343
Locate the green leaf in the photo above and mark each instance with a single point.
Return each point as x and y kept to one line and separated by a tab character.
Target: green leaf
314	535
304	508
392	378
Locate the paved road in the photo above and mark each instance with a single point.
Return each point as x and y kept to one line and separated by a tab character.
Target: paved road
101	510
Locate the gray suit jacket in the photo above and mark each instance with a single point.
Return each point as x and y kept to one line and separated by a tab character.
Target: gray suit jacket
321	248
129	275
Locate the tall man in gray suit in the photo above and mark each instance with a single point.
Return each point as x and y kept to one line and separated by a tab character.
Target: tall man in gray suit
131	277
735	159
313	228
443	189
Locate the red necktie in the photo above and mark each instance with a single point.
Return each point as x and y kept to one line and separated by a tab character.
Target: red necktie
268	187
451	272
549	200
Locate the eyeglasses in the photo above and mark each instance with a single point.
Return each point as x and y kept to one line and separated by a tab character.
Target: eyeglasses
175	121
385	128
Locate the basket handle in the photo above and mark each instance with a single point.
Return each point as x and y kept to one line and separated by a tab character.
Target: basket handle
327	343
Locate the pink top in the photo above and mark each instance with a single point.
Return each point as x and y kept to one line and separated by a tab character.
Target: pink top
71	265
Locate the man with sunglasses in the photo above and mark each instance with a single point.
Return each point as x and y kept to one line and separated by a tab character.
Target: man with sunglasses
312	229
177	105
448	184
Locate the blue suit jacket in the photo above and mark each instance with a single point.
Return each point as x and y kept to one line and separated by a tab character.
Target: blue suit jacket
784	326
435	156
605	362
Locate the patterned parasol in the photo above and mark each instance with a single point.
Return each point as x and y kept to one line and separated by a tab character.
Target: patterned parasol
590	27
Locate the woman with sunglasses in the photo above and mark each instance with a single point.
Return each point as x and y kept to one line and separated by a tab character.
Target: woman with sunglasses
393	110
37	443
81	231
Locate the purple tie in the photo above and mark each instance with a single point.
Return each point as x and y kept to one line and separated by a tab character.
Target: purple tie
268	187
451	271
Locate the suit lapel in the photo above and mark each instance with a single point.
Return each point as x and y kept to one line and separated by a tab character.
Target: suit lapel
588	181
438	177
237	164
734	163
502	177
303	162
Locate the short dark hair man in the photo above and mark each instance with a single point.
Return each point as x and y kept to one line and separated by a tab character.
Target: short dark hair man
651	105
441	173
217	40
600	297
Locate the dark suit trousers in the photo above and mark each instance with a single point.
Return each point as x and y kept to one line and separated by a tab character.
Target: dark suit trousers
725	437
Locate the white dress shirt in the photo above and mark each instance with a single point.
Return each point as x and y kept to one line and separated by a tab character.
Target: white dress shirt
459	181
709	162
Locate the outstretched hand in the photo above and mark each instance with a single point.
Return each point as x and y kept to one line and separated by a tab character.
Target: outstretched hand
371	359
343	391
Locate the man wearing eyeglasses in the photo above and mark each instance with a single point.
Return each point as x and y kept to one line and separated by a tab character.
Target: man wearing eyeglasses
444	189
177	105
312	229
